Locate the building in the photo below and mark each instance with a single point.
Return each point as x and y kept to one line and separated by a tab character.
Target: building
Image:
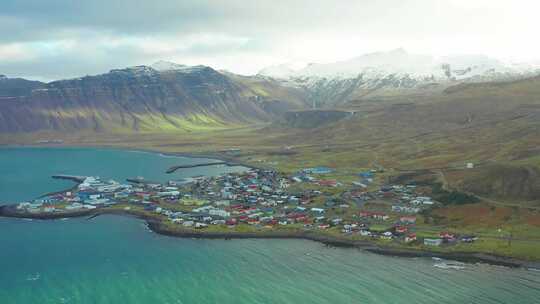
408	219
410	238
219	212
318	170
317	210
432	242
469	238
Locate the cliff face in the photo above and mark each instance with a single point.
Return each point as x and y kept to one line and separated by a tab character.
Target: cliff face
136	99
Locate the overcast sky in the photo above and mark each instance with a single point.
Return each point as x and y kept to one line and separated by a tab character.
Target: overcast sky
52	39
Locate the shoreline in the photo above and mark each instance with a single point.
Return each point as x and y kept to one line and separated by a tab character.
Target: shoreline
8	211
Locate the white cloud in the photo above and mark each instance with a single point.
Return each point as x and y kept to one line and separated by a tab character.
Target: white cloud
246	36
16	52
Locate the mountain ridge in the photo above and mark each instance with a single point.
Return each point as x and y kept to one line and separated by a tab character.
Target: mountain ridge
135	98
376	73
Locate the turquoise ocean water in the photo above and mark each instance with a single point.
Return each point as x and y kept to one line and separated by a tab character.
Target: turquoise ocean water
114	259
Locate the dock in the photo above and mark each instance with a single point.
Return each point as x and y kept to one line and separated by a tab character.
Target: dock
174	168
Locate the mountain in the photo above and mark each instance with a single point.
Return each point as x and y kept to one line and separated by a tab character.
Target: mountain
170	97
278	71
167	66
14	87
401	62
142	98
396	70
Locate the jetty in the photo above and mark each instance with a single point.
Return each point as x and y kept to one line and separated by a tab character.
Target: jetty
75	178
174	168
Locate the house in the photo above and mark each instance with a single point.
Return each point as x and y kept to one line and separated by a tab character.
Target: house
222	203
404	209
433	242
387	235
219	212
317	210
318	170
386	188
231	222
410	238
374	215
364	232
328	183
49	209
336	221
253	221
74	206
364	214
469	238
360	184
297	179
380	216
329	203
366	174
319	219
200	225
447	235
173	193
188	223
401	229
408	219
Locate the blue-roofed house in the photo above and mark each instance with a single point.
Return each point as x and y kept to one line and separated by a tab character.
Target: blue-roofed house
318	170
366	174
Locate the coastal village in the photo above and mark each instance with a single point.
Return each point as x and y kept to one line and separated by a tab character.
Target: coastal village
258	200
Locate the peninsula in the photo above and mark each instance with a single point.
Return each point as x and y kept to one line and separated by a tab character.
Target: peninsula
393	218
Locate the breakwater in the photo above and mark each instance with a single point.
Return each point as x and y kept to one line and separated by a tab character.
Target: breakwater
175	168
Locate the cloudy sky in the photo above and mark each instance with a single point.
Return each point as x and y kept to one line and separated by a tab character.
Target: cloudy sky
55	39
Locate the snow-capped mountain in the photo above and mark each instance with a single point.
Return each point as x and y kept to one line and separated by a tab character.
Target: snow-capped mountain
396	69
400	62
167	66
282	70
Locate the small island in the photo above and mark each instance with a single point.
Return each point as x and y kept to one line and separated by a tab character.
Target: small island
392	218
